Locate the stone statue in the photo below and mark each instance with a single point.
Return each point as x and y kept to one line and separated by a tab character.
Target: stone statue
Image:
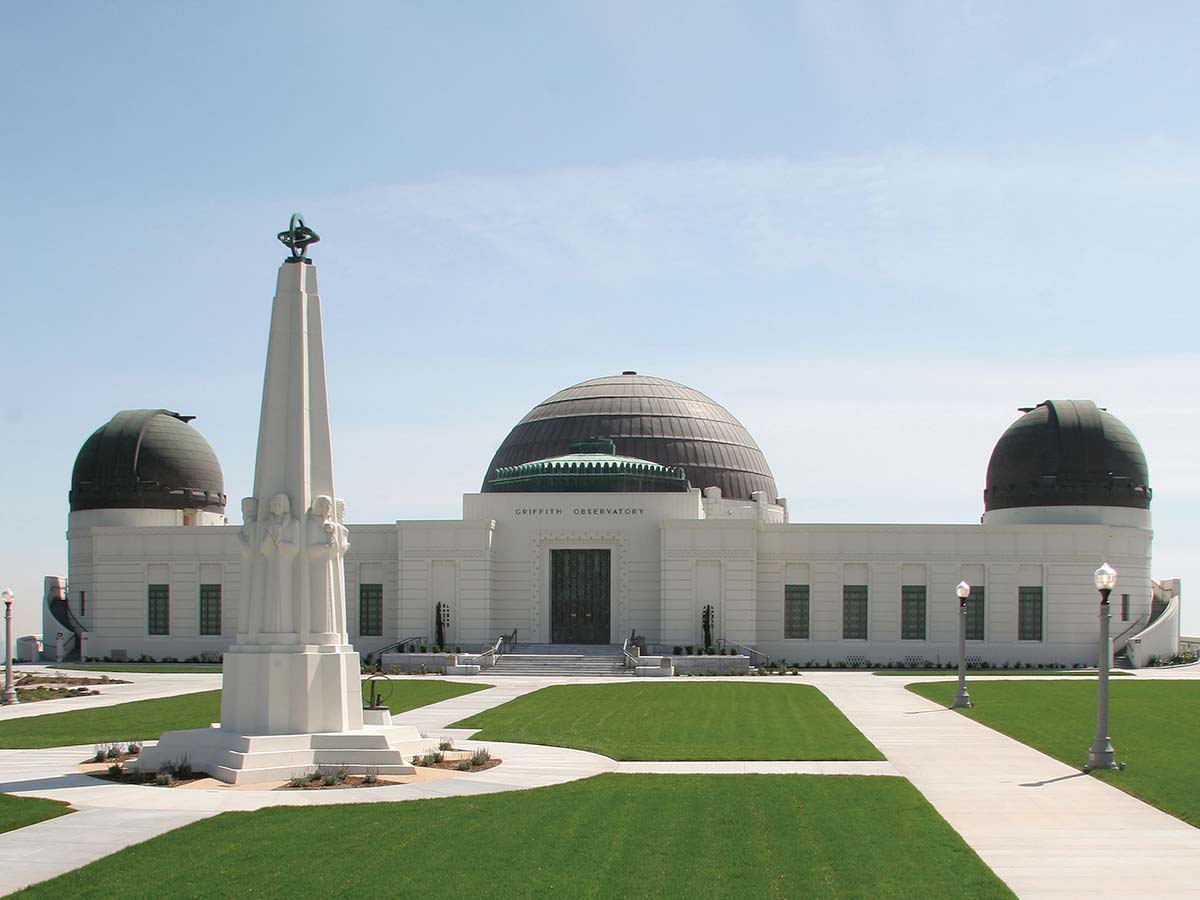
280	544
339	606
249	548
327	545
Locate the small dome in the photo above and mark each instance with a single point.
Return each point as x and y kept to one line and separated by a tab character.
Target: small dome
649	419
1067	453
147	459
591	466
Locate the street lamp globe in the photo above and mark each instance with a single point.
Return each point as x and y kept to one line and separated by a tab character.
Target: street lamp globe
1106	578
963	590
7	595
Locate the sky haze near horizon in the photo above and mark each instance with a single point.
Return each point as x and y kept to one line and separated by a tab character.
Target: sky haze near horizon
872	231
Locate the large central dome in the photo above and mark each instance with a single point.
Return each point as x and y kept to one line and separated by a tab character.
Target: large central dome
648	418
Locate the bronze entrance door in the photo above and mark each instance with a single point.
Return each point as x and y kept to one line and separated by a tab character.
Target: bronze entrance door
579	596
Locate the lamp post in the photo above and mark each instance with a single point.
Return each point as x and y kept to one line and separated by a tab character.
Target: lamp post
10	693
961	697
1101	754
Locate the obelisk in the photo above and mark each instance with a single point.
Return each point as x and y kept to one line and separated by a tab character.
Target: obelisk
291	697
292	669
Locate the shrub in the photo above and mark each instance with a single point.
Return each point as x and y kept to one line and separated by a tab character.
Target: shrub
480	756
689	650
298	780
432	758
114	751
463	765
114	770
445	744
164	779
677	650
314	775
329	779
458	648
423	648
371	776
101	753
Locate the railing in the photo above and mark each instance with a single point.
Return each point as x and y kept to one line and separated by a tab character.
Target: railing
496	649
374	655
60	608
631	661
751	652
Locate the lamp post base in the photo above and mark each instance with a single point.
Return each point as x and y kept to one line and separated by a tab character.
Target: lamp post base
9	697
1101	756
962	700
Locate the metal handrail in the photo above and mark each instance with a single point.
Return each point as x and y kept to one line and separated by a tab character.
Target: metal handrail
631	661
393	647
749	651
496	649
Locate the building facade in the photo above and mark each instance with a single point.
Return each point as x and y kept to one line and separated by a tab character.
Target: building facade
634	504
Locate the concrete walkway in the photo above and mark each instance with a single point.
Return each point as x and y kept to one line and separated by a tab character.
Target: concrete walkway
1032	819
1046	829
139	687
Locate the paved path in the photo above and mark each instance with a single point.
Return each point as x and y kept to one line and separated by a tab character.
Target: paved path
1046	829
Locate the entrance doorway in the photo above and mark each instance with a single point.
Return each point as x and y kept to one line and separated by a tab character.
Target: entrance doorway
580	582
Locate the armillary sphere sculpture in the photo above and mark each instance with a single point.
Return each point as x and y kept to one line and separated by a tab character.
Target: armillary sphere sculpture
298	237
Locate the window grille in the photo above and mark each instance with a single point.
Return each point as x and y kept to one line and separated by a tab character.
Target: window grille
210	609
158	611
795	610
854	612
370	610
912	612
975	613
1029	614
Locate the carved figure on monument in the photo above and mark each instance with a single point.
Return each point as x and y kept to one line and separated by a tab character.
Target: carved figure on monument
327	545
280	545
249	547
344	539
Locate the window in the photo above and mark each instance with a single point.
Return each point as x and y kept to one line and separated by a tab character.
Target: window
210	609
1124	607
912	612
370	610
158	613
854	612
1029	614
795	610
83	603
975	614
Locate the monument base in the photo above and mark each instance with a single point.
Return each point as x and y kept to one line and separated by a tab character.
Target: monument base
249	759
291	689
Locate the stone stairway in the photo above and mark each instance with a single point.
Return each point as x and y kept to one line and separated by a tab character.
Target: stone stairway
590	660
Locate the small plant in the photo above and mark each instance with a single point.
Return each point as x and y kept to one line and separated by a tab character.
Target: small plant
371	776
164	779
480	757
677	650
690	650
101	753
432	758
445	744
314	775
114	751
182	767
423	647
329	779
115	770
463	765
298	781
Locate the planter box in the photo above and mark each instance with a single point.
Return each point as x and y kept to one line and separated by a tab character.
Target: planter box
412	662
723	665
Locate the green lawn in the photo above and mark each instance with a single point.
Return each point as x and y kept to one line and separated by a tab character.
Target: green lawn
17	812
193	668
1021	673
148	719
696	836
1154	726
714	720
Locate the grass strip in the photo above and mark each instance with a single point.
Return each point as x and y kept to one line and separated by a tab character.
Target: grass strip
706	721
1154	726
1018	673
17	812
148	719
707	837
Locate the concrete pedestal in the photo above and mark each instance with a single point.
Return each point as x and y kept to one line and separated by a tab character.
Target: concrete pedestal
301	689
249	759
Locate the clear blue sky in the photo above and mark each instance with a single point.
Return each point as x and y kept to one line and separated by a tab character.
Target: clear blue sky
870	230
